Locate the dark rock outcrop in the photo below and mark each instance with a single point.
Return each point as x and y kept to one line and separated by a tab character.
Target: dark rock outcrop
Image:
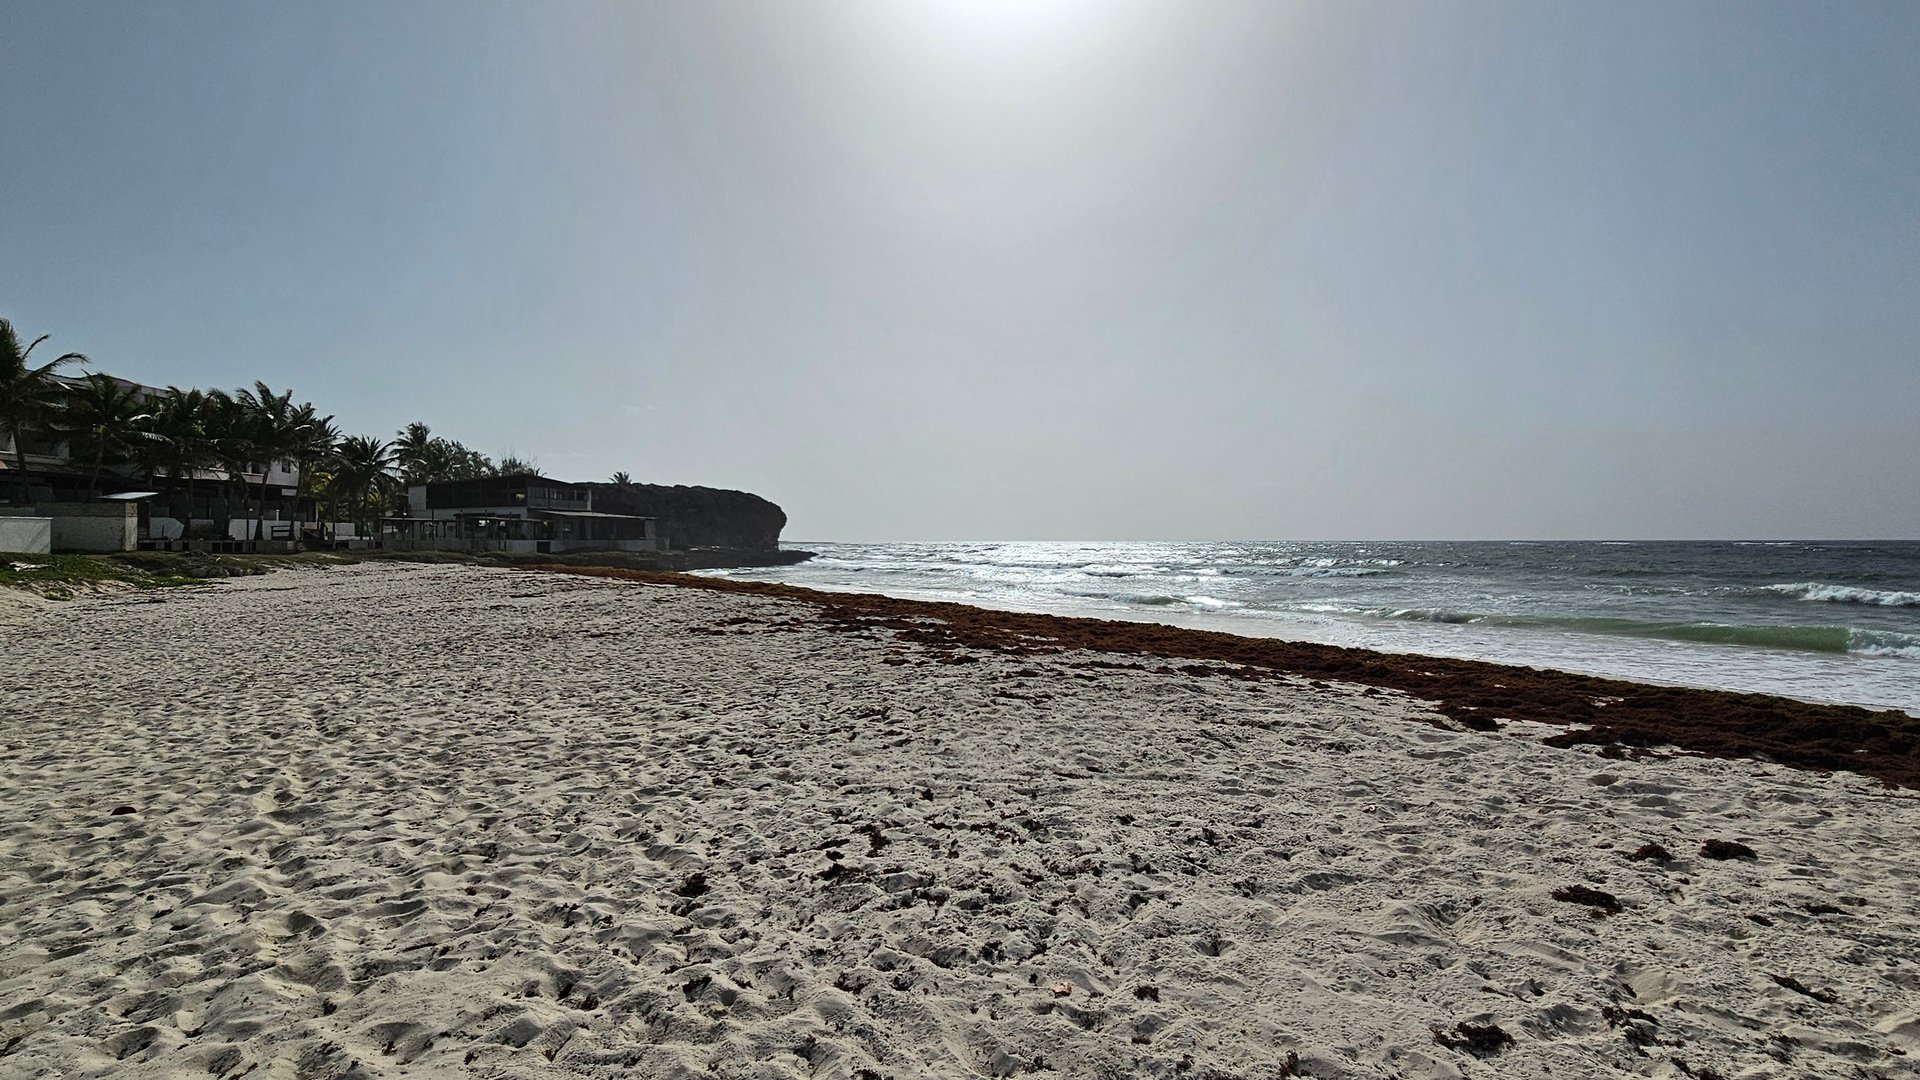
698	517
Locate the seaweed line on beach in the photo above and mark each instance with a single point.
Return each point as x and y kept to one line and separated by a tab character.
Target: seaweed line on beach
1615	715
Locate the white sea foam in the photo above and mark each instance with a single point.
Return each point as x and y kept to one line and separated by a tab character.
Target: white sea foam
1883	643
1437	615
1305	571
1846	594
1212	602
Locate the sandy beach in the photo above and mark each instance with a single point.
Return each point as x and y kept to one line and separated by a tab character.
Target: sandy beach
382	821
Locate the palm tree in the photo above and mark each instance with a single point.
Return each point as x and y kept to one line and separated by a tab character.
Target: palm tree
103	419
363	470
426	458
319	436
622	479
180	445
514	465
415	450
27	394
320	482
274	426
229	439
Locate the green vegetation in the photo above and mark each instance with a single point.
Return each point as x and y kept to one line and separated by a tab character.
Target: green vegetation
104	420
424	457
58	577
28	395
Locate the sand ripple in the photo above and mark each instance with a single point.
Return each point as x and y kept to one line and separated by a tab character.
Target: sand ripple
383	821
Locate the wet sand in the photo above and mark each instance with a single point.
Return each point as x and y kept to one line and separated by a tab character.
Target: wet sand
387	821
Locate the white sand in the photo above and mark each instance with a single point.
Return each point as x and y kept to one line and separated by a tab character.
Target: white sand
438	822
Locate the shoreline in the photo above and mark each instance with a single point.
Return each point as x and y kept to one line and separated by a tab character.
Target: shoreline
1303	633
1711	615
1618	715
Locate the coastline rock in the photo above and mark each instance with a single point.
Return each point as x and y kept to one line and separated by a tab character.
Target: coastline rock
698	517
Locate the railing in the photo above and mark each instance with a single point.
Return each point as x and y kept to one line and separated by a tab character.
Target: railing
223	547
455	543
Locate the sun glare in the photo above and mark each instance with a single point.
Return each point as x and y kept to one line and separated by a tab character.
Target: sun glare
1012	22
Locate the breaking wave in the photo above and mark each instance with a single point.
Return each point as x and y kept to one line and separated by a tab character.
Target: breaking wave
1846	594
1439	615
1212	603
1884	643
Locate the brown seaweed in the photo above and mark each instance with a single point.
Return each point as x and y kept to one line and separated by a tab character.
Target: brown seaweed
1607	713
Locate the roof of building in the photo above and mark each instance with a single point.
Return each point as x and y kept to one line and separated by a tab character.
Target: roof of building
588	514
508	480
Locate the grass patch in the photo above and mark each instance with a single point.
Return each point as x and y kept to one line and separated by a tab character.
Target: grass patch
201	564
60	577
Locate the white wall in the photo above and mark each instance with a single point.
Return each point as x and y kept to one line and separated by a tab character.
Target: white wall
28	534
93	526
94	534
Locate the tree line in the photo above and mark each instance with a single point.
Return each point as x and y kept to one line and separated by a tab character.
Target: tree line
186	434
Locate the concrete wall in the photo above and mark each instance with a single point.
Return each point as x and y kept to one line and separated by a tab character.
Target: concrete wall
28	534
560	546
224	547
162	527
93	526
396	543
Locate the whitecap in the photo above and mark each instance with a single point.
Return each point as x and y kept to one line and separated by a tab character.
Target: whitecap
1846	594
1883	643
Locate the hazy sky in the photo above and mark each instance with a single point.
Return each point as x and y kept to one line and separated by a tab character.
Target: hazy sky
1034	269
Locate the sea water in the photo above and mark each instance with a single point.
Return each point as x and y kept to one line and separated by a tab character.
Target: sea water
1821	621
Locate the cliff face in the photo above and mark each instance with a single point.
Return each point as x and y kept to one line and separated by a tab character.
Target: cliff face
698	517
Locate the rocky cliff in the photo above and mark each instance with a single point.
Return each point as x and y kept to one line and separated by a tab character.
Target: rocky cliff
698	517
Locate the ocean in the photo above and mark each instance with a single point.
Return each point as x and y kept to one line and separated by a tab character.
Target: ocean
1837	622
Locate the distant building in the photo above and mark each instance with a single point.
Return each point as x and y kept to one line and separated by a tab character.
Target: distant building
213	510
209	505
527	512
